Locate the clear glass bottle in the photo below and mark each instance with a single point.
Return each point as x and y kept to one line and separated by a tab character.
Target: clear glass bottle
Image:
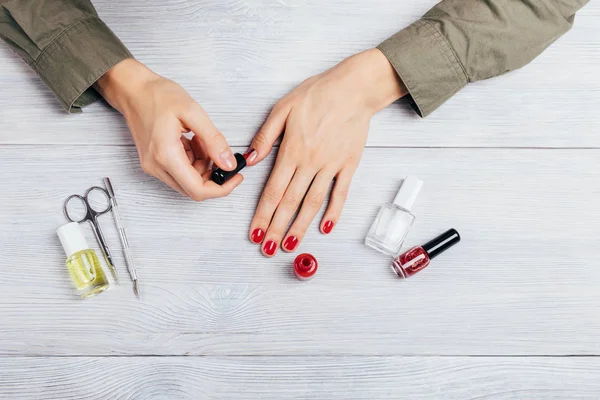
394	220
82	262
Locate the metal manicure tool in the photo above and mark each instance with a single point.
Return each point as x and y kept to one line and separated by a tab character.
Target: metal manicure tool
122	236
91	214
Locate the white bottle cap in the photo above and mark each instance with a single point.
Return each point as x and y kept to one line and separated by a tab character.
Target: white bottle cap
72	239
407	195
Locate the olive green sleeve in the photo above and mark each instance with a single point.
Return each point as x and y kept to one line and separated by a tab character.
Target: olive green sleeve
462	41
65	42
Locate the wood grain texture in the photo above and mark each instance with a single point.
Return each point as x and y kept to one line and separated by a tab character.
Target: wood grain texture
346	378
237	57
495	317
523	281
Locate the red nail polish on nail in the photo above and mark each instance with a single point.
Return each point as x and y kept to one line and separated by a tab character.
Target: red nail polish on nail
327	227
305	266
270	247
248	152
257	235
250	155
290	243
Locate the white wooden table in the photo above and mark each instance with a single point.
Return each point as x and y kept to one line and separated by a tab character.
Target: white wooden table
512	163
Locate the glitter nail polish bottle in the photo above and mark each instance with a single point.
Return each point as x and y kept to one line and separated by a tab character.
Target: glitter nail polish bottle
394	220
418	258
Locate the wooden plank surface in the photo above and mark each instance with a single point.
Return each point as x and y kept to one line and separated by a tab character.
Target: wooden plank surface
198	378
512	163
237	57
526	265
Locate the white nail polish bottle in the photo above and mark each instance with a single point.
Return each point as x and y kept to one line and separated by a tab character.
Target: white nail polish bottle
395	219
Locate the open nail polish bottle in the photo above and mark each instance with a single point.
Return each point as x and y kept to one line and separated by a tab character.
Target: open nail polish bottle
305	266
416	259
394	220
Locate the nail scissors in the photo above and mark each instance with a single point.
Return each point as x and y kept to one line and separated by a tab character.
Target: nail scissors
91	215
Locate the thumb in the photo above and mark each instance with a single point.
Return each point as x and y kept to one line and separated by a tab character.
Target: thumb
215	143
268	134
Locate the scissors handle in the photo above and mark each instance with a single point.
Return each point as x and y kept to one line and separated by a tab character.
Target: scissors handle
89	211
89	205
66	208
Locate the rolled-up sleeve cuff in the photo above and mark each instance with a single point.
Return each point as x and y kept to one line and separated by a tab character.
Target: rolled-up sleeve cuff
76	59
427	65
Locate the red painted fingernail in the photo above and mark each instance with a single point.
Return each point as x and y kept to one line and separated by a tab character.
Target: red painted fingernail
290	243
250	155
257	235
270	247
327	227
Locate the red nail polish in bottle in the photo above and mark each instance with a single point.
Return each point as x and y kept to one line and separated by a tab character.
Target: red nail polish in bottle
414	260
305	266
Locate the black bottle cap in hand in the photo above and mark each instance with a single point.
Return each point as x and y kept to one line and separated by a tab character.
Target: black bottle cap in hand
220	176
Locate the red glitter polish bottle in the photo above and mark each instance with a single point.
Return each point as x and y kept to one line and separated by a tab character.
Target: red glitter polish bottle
416	259
305	266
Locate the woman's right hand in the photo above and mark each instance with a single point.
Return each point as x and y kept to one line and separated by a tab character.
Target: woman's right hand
158	111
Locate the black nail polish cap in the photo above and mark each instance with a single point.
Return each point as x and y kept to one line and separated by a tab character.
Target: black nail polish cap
441	243
220	176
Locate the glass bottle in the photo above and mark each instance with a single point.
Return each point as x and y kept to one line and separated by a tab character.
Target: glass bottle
394	220
416	259
82	262
305	266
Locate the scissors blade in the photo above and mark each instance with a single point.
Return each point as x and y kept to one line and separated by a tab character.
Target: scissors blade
113	271
104	248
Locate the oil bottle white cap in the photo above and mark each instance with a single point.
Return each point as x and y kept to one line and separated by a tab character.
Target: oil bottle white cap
408	193
72	238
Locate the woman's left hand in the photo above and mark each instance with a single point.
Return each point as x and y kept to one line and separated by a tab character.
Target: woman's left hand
326	123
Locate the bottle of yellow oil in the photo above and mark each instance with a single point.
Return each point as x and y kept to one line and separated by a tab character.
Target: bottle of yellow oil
82	262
